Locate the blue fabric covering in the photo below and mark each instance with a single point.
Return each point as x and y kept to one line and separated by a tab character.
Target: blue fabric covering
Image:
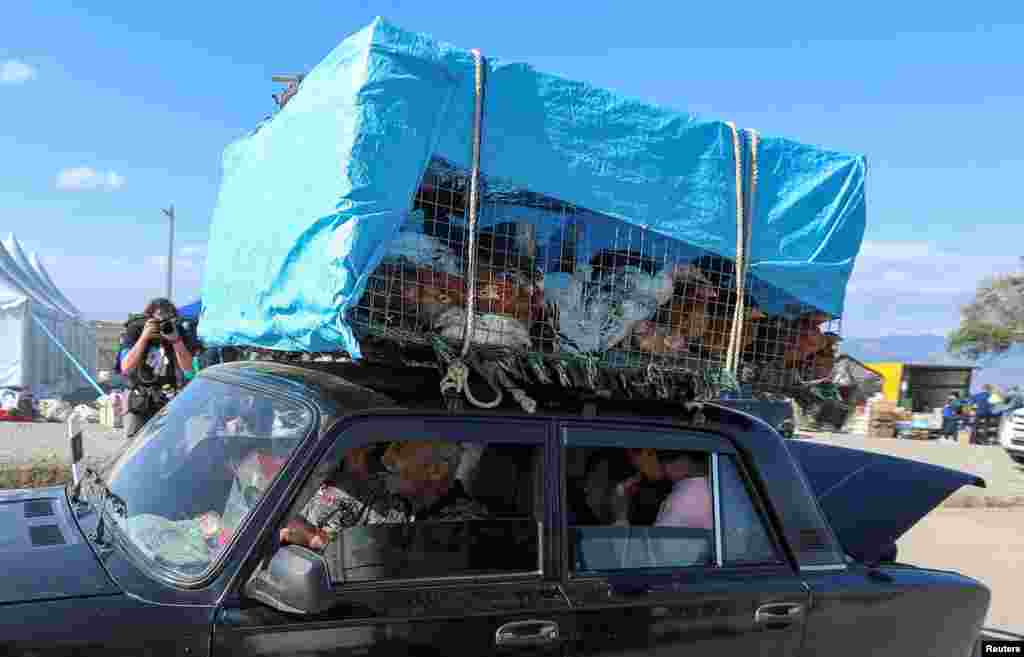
309	202
191	311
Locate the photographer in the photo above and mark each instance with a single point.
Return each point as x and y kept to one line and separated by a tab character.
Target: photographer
156	353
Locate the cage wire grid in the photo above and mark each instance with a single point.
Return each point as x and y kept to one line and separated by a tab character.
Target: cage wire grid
557	280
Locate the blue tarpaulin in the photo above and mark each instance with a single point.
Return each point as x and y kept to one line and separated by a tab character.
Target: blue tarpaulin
192	310
309	202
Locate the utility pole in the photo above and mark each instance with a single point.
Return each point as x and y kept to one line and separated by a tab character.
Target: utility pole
169	213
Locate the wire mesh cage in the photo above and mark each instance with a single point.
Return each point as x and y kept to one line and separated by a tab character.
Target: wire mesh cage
555	279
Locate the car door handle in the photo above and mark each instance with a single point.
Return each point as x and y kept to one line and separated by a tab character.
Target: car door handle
525	633
778	614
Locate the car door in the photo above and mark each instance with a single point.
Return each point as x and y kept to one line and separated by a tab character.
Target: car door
662	588
417	588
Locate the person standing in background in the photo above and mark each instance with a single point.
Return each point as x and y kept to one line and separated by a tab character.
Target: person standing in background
951	418
156	352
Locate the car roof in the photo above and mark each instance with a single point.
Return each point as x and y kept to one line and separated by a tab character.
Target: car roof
333	395
354	389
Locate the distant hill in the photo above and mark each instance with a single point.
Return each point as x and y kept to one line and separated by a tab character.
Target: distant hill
931	349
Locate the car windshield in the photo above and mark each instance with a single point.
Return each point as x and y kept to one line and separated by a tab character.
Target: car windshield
197	469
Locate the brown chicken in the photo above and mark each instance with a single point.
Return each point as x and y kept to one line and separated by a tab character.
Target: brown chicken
433	293
508	296
682	320
718	332
821	364
809	338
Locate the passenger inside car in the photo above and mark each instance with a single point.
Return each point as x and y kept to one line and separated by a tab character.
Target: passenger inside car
639	508
424	473
689	504
419	482
356	493
622	487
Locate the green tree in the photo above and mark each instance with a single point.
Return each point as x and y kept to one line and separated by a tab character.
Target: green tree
994	321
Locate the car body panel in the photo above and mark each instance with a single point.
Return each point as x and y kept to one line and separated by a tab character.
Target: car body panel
43	555
894	610
700	612
453	619
112	626
856	490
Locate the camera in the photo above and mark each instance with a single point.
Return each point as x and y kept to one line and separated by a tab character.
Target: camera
167	327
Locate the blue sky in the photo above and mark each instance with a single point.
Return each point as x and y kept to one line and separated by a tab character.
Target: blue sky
107	117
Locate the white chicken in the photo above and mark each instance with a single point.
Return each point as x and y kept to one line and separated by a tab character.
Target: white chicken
421	250
488	329
593	316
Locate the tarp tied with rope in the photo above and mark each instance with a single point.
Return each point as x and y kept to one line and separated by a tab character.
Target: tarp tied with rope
310	202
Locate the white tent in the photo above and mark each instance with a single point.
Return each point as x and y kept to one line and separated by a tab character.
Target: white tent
34	317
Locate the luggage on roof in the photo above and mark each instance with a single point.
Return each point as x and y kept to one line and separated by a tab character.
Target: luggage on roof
607	228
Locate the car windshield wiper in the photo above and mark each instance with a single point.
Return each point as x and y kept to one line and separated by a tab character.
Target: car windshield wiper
101	495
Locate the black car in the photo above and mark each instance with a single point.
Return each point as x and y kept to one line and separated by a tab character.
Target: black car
776	548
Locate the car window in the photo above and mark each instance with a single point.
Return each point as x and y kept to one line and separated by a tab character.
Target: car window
639	508
434	499
196	471
745	537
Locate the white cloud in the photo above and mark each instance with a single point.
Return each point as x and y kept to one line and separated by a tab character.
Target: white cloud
894	276
14	71
87	178
186	267
897	250
909	287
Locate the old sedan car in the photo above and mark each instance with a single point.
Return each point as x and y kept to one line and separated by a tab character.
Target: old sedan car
277	510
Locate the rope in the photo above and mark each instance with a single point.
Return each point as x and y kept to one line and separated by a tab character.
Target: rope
740	231
746	192
456	379
474	203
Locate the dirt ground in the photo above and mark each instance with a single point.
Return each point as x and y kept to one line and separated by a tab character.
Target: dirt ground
22	443
986	544
1004	478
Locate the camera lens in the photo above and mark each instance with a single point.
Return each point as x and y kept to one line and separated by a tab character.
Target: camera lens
167	327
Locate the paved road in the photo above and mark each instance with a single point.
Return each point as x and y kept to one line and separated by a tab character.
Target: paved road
22	443
986	544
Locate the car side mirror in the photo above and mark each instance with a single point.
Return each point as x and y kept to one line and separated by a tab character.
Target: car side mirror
295	581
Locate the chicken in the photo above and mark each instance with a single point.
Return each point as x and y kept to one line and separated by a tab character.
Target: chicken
683	319
718	334
809	338
488	329
508	295
769	341
419	250
597	308
653	338
430	294
504	306
821	364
